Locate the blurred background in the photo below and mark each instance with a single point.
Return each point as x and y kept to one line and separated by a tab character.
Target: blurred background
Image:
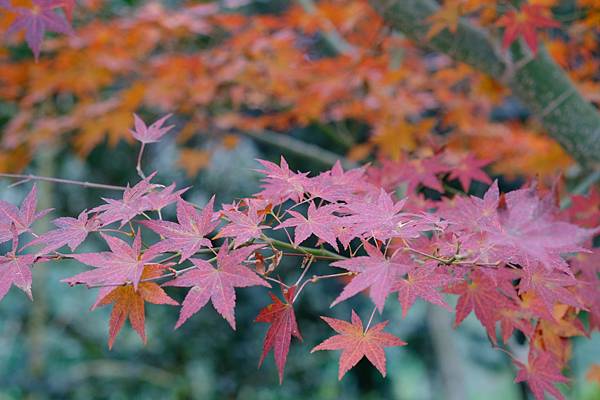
237	73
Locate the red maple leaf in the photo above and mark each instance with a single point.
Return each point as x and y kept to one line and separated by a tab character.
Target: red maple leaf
319	222
35	21
356	343
129	302
481	295
216	284
283	326
122	264
585	210
422	282
71	232
152	133
15	269
524	23
541	373
189	234
376	272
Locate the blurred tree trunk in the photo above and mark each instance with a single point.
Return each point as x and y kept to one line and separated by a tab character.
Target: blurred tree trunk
538	81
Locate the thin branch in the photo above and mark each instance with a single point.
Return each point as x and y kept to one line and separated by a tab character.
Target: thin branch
278	244
31	177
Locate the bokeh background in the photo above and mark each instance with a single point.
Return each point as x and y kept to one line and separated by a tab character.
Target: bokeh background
55	348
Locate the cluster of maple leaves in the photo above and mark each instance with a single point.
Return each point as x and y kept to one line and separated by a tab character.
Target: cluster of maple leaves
266	71
514	260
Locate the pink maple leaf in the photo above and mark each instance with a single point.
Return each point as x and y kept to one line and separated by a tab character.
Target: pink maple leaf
550	286
319	222
244	225
280	183
71	232
35	21
142	197
216	284
380	218
468	169
336	185
19	219
122	264
15	269
531	231
152	133
189	234
374	271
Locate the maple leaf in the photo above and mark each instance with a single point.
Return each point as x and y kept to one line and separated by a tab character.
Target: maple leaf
541	373
524	23
35	21
283	326
337	185
280	183
549	286
19	219
128	302
421	172
142	197
216	284
71	232
482	296
381	218
474	214
122	264
530	231
15	269
447	17
356	343
422	282
585	210
244	226
189	234
468	169
319	221
152	133
376	272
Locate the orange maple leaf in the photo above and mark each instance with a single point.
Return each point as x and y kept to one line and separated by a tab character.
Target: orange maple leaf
129	303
